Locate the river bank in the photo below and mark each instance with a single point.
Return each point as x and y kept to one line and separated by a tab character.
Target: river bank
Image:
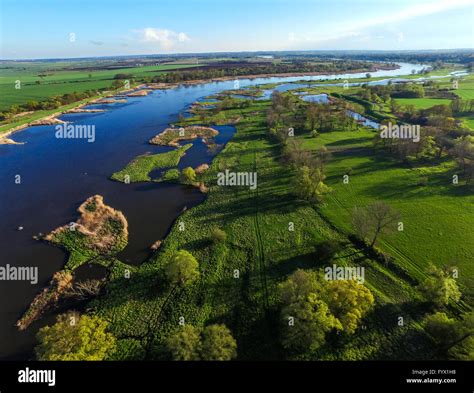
144	89
49	117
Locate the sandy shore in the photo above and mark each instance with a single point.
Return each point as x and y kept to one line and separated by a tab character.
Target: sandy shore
140	93
81	110
172	136
53	119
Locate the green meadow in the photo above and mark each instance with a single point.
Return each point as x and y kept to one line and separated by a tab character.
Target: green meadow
437	215
140	167
423	103
42	80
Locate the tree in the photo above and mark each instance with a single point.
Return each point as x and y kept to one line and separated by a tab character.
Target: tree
440	287
273	118
298	286
117	84
120	76
217	343
463	347
348	301
463	150
322	157
312	114
32	105
295	154
189	175
214	342
184	344
75	337
311	321
455	338
218	235
309	184
182	269
371	221
441	328
312	308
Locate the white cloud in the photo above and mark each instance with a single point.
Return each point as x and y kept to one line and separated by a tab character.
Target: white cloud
355	30
166	39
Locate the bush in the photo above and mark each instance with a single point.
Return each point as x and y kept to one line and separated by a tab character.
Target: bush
188	175
170	175
218	235
182	269
75	337
214	342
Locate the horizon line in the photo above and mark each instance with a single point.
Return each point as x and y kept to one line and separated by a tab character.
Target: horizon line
238	52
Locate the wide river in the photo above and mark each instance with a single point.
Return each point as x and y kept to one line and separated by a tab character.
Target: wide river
58	175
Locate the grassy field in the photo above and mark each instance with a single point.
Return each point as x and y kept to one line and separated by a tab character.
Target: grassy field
423	103
465	86
436	216
140	167
143	310
57	81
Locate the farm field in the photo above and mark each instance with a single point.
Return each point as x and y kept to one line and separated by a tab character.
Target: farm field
58	82
423	103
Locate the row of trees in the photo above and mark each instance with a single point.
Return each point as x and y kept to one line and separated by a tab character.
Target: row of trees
383	93
214	342
232	70
51	103
308	166
440	134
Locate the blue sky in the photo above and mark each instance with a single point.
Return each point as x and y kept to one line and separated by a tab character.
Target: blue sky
77	28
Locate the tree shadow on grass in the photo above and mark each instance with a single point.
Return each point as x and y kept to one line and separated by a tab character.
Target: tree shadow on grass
285	266
247	206
398	188
351	141
404	341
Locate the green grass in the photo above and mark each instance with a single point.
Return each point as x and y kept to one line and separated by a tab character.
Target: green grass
465	86
468	121
139	168
437	217
423	103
